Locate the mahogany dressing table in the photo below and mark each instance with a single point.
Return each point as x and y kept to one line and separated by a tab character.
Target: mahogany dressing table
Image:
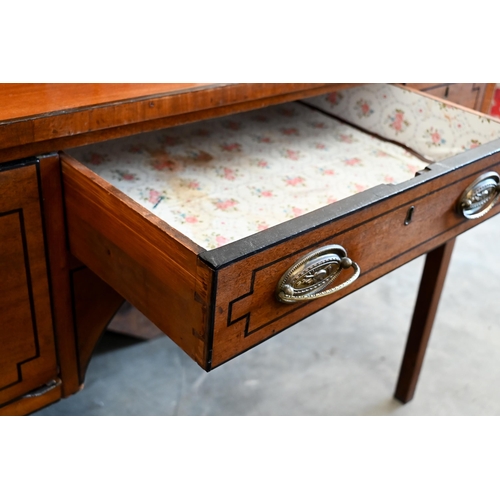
74	244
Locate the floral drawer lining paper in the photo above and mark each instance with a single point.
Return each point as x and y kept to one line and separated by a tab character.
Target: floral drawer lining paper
224	179
431	128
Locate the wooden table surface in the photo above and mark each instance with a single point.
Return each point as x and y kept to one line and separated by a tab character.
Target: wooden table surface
39	118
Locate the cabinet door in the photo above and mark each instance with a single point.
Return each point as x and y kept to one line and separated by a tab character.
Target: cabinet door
27	346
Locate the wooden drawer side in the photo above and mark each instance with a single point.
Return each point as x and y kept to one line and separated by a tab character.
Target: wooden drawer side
149	264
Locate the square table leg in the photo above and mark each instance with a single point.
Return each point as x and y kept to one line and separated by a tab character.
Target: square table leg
431	285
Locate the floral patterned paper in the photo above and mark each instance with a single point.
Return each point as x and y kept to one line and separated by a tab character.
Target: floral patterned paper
431	128
221	180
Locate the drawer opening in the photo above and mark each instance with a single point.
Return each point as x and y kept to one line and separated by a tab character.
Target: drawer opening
226	179
130	215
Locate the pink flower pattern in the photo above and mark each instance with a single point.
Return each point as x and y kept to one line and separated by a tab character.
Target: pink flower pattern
294	181
352	161
229	174
364	108
434	137
220	184
154	196
221	240
328	171
334	98
234	146
346	138
125	176
225	204
473	143
292	155
266	193
263	139
401	115
397	121
289	131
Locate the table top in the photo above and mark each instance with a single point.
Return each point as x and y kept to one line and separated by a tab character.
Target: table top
39	118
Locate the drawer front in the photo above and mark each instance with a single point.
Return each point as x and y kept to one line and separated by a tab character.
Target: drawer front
376	237
216	304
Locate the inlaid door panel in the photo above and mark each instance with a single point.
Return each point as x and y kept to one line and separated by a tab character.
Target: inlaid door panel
27	346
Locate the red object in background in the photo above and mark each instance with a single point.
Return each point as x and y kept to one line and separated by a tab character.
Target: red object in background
495	107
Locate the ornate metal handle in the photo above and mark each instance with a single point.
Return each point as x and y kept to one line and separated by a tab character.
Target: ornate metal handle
479	198
306	279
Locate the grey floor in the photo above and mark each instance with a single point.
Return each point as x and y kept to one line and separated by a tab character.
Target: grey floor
342	361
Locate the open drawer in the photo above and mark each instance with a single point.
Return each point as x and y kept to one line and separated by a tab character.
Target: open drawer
324	209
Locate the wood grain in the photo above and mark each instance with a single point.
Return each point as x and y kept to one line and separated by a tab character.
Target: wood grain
246	311
131	322
488	98
470	95
95	304
431	286
27	354
78	124
26	405
145	260
23	100
59	260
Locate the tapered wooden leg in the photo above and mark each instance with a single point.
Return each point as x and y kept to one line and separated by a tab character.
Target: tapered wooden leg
436	265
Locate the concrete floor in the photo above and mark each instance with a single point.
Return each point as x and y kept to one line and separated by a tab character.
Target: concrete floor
342	361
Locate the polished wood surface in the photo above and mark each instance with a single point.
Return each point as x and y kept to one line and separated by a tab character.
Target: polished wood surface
32	402
94	305
213	309
59	260
158	270
87	119
246	311
27	346
129	321
488	98
471	95
149	263
34	99
431	286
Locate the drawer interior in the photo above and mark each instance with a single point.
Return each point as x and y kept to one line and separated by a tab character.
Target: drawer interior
225	179
432	128
179	221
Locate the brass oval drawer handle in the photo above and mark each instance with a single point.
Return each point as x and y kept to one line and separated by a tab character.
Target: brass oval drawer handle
478	199
306	279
